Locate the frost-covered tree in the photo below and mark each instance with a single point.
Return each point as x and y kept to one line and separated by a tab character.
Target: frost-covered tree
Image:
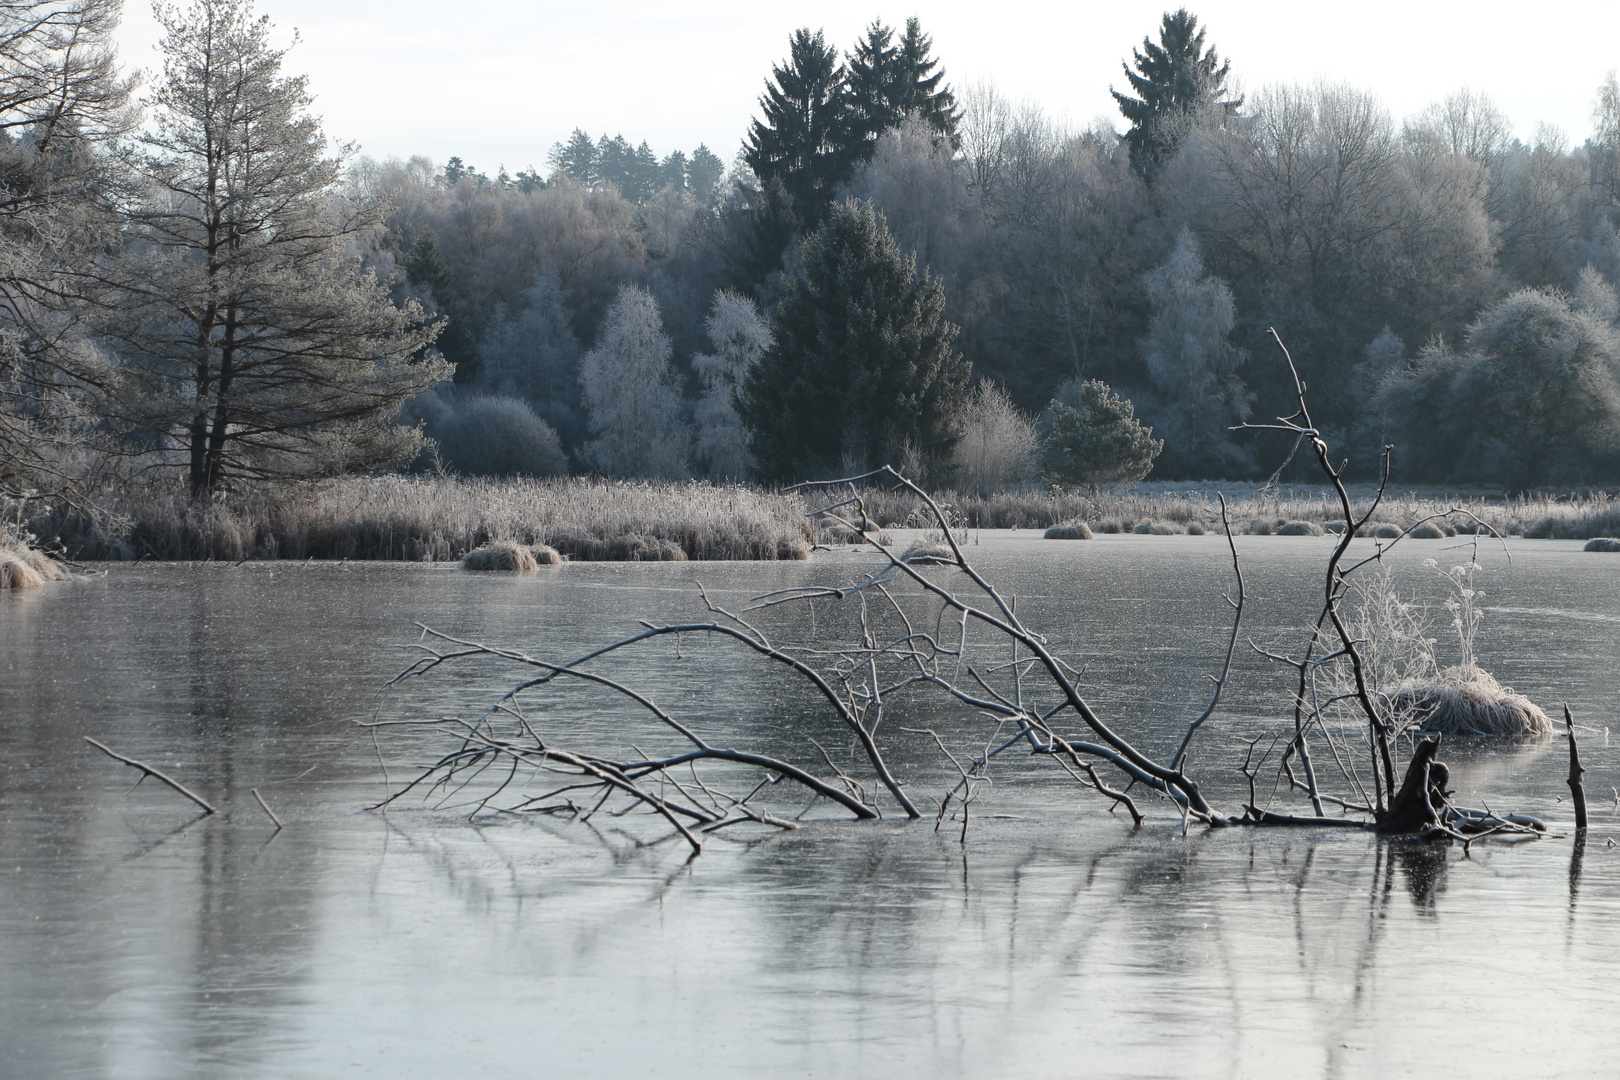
247	332
1533	399
1196	394
631	399
739	337
997	444
531	353
861	364
63	106
1597	297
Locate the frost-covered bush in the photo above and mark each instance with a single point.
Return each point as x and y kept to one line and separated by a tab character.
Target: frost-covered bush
998	445
487	435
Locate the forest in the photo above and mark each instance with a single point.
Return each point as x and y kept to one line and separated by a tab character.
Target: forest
202	290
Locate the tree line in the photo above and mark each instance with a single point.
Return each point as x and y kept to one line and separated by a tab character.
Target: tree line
892	269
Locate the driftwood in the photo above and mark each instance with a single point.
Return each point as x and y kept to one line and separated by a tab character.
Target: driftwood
1577	788
266	807
147	770
975	654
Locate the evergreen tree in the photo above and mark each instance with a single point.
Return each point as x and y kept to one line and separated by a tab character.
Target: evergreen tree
246	332
672	173
766	230
576	158
861	368
888	80
919	88
1179	83
704	172
1097	439
803	137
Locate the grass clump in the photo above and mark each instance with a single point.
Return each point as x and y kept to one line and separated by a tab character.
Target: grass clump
23	567
1299	527
929	549
500	555
1156	528
1074	530
1467	701
1602	543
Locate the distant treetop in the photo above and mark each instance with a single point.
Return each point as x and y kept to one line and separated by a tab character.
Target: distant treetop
1177	82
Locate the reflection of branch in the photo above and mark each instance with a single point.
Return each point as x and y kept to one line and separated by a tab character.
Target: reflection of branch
147	770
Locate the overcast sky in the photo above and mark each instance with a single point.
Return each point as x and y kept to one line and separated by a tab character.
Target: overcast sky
499	81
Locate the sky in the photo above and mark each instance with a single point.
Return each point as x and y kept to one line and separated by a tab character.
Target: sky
498	82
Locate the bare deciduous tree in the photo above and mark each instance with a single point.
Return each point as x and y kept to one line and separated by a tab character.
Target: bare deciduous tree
739	337
630	394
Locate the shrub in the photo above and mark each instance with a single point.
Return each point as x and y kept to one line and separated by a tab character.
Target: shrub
997	444
493	435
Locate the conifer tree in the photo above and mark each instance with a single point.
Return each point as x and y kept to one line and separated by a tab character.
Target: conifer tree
1177	82
802	137
245	330
889	79
703	173
576	157
1097	439
861	368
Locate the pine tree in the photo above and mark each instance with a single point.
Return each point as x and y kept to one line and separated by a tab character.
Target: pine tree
861	368
888	80
919	89
1097	440
1179	83
803	138
245	330
576	158
703	173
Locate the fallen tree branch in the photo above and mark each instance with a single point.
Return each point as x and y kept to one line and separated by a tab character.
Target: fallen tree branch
147	770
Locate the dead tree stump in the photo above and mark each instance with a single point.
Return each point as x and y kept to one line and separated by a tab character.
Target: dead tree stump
1420	802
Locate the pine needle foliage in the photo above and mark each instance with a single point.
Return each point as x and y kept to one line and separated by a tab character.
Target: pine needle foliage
1176	82
861	366
1098	440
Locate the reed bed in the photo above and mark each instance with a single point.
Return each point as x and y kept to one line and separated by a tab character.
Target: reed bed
440	519
1261	510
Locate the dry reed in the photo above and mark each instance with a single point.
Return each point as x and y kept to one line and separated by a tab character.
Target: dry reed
442	518
21	567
